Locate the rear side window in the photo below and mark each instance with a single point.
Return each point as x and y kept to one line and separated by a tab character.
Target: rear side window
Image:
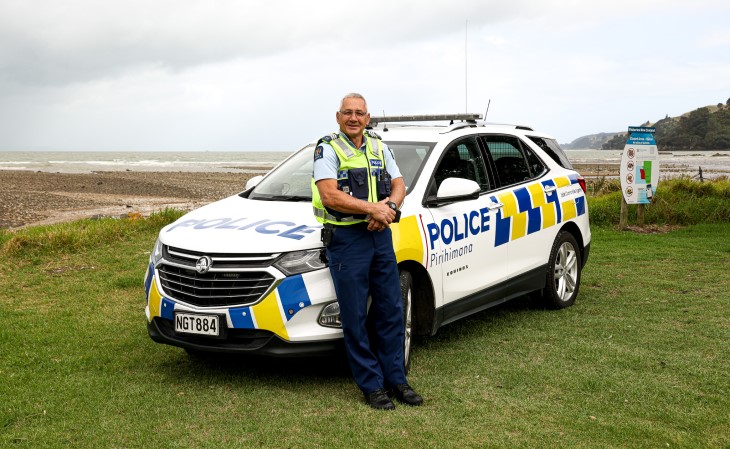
512	162
551	147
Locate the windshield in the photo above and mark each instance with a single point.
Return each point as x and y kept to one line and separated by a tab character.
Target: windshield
291	181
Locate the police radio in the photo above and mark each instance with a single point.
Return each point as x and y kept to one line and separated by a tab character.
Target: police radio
383	182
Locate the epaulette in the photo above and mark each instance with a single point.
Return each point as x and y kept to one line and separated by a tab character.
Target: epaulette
372	134
328	138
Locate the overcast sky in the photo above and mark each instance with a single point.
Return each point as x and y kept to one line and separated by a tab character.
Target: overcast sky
180	75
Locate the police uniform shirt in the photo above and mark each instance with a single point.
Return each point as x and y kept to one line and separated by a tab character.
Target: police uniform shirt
326	163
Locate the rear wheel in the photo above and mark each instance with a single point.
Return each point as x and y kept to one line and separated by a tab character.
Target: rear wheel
563	274
406	288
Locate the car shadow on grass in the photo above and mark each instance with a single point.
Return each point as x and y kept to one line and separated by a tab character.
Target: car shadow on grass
490	320
283	371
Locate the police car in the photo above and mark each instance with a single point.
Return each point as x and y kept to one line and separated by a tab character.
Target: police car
492	212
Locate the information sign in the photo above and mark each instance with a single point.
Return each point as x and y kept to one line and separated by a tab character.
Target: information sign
639	166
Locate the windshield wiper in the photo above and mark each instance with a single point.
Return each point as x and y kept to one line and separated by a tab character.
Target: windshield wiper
293	198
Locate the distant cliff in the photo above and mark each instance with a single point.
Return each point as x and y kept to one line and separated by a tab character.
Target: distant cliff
704	129
592	141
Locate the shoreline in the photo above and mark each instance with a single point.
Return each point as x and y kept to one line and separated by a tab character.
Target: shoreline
33	198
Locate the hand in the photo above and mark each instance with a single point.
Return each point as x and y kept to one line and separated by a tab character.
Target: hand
381	216
374	225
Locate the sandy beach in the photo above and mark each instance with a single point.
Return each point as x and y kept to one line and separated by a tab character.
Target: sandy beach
31	198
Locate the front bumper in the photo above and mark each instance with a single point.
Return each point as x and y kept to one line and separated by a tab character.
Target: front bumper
283	323
242	341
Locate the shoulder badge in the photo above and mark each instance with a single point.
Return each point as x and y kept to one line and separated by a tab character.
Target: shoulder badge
330	137
372	134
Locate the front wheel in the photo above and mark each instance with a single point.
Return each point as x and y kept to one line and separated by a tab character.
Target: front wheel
406	289
563	274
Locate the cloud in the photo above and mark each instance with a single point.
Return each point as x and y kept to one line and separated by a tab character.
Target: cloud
714	39
49	42
191	74
45	42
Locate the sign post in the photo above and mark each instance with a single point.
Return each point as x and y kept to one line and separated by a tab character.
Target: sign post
639	171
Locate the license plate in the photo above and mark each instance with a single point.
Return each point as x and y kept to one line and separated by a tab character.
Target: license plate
189	323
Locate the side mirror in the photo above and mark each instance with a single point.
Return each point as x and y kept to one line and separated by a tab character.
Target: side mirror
455	189
251	183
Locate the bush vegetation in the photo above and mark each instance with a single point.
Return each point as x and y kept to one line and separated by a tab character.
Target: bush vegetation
680	201
706	128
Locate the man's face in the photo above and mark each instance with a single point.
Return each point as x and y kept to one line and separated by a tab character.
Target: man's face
353	117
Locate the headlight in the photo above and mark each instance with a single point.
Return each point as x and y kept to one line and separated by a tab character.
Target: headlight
330	315
300	262
157	252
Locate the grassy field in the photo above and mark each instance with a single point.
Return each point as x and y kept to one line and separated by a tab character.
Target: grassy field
640	361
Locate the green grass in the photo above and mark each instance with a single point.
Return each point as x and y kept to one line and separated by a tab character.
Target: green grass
641	360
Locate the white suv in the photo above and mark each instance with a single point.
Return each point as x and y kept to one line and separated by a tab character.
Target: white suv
492	212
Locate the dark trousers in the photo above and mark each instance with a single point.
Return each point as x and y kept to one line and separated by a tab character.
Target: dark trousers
363	263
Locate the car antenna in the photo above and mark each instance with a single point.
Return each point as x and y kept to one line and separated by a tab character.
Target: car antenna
466	66
385	125
488	103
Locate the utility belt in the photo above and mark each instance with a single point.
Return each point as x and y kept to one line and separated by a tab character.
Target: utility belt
328	230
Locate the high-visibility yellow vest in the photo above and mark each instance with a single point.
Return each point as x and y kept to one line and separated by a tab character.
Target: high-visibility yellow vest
372	160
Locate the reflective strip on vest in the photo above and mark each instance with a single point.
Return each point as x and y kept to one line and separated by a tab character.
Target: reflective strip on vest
374	145
321	213
343	146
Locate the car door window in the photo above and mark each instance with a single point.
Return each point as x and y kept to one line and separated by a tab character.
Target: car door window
462	159
511	160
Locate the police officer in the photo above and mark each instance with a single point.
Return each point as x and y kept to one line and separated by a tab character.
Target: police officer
356	192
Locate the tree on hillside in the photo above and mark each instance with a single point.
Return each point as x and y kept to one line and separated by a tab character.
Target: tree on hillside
718	130
702	129
691	130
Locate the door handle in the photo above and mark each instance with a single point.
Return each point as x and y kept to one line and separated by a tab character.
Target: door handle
549	189
492	206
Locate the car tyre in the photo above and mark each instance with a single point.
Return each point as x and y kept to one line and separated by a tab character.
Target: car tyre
562	279
406	288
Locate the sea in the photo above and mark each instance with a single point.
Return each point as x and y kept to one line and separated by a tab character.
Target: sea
150	161
712	163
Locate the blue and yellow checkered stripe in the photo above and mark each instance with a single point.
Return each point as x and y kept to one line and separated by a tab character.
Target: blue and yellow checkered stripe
529	209
272	313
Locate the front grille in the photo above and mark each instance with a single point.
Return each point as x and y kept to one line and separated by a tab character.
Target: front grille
231	280
228	261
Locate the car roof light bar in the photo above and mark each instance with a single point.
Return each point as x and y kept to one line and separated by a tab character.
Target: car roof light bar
423	118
